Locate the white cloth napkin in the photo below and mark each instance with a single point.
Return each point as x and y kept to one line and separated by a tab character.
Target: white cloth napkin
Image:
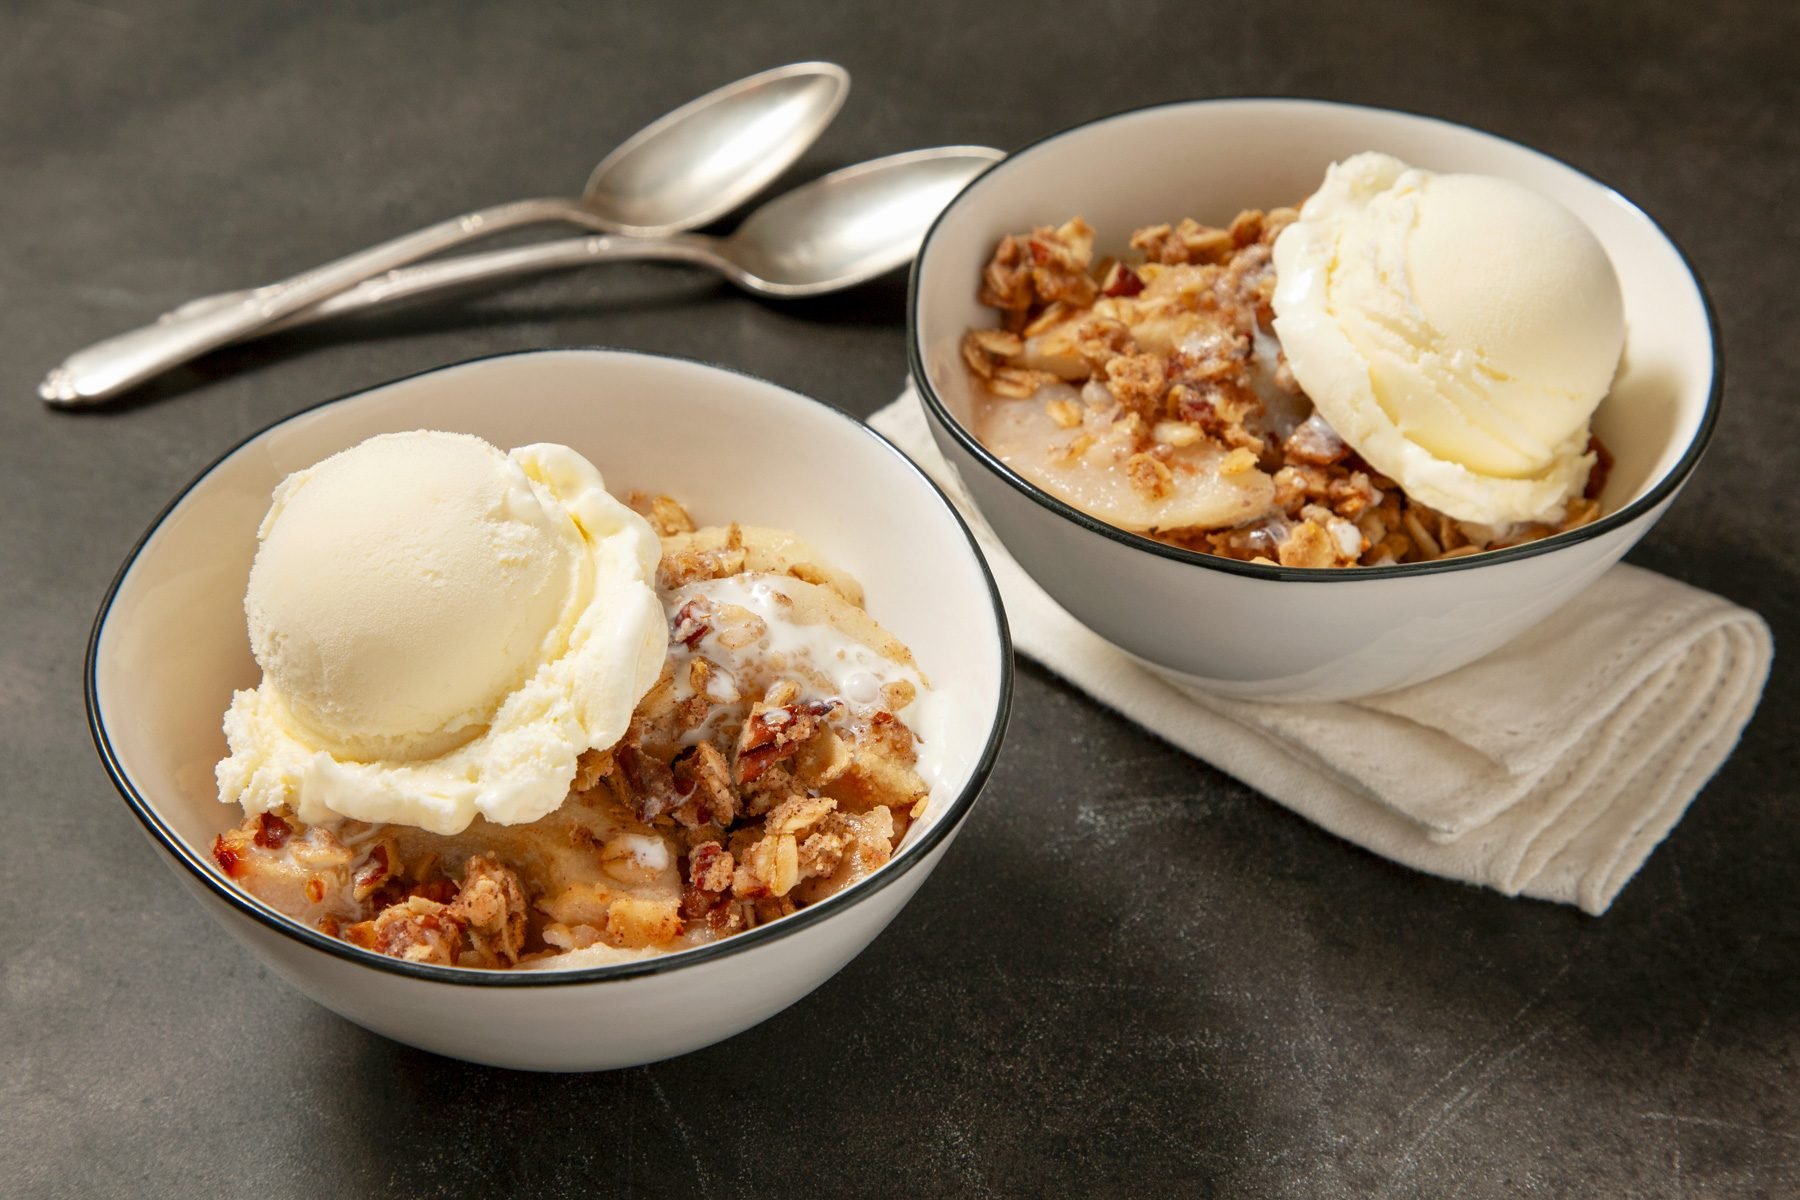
1501	773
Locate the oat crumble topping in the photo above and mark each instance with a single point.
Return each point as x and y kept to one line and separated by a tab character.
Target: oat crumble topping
1165	371
730	802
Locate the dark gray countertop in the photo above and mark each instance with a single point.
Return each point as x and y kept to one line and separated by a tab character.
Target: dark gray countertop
1130	970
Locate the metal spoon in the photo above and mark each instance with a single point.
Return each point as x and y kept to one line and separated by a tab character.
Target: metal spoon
840	230
687	168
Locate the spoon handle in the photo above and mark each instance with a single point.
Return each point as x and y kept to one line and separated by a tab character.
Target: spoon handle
468	270
118	363
465	270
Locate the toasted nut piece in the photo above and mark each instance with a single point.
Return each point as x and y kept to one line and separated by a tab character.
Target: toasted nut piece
1018	383
1237	462
1175	433
1078	446
1150	475
1308	545
635	858
1047	320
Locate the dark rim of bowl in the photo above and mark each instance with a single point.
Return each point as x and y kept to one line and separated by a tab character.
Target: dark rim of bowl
908	856
1658	492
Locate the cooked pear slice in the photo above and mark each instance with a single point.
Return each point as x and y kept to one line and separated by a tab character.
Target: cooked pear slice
1088	467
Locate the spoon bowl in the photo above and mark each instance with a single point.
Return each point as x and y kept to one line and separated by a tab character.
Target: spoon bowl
694	165
851	225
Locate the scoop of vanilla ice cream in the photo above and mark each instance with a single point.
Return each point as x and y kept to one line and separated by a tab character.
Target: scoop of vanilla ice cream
404	587
1457	330
443	629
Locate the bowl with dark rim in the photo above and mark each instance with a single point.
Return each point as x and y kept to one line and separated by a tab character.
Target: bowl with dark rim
1260	631
169	646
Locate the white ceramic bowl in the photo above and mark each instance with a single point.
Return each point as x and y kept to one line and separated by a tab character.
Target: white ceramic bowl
1269	632
169	645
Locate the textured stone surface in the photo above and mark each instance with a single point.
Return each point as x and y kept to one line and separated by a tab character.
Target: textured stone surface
1130	971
